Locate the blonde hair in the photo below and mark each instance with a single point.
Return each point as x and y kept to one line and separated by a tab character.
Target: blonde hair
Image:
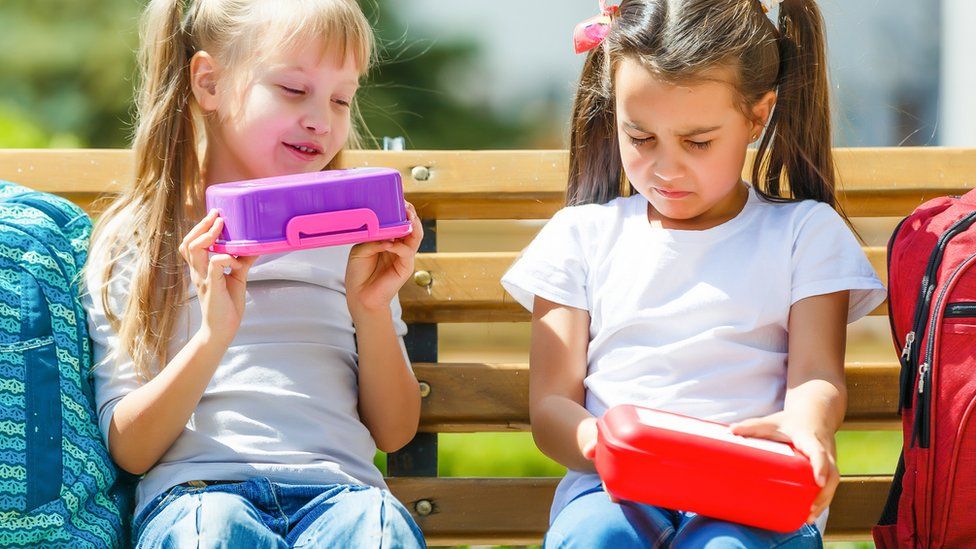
146	223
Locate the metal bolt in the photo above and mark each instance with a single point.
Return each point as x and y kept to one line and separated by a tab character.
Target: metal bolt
423	279
424	389
420	173
423	507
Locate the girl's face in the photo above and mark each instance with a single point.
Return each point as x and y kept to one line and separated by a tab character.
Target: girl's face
683	146
292	117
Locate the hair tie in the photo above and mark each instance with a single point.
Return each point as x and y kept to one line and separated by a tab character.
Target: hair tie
593	31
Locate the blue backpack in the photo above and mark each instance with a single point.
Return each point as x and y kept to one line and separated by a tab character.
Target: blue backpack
57	482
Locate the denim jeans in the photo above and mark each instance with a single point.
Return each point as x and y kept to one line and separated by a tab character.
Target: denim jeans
259	514
591	520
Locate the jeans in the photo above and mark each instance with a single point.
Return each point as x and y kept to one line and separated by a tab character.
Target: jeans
591	520
259	514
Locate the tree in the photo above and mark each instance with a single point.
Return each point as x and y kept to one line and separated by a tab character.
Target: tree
67	72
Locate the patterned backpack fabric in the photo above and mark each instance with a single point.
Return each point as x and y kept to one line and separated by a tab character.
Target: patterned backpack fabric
57	481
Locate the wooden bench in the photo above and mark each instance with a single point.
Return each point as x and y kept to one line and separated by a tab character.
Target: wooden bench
463	287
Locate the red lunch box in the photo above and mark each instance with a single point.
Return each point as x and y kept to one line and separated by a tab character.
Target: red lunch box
679	462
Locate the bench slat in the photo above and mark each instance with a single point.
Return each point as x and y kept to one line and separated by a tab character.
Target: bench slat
469	398
516	510
525	184
466	288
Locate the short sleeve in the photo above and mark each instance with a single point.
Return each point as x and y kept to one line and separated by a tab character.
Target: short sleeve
114	372
827	258
553	266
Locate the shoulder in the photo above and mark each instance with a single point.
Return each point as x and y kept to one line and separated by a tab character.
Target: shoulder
795	218
589	219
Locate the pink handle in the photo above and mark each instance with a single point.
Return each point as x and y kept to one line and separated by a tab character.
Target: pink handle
322	227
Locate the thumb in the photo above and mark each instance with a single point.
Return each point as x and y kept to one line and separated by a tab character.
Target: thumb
762	427
589	450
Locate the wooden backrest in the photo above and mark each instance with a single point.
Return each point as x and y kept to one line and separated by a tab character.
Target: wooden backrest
464	287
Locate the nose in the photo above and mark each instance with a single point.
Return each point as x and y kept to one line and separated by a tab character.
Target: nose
317	122
667	168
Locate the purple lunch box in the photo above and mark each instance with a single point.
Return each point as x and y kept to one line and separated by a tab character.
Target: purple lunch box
309	210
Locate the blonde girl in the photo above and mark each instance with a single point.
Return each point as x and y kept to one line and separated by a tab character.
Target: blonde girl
250	393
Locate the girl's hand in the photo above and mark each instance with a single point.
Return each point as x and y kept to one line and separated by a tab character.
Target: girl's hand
818	446
377	270
221	295
586	438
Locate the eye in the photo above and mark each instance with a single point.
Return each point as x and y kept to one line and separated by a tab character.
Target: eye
700	145
342	102
291	91
637	142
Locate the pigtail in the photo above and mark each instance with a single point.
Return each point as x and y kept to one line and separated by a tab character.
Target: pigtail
150	216
595	168
797	141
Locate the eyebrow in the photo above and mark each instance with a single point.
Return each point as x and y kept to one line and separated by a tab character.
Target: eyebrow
300	69
689	133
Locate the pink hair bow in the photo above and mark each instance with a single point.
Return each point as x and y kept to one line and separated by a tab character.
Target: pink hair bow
591	32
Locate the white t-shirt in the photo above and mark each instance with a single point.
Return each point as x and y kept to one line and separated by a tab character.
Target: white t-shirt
283	402
692	322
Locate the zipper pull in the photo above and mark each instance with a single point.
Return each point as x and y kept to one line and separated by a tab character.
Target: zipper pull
909	339
922	370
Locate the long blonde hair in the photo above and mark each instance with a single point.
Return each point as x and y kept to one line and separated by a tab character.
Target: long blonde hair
142	229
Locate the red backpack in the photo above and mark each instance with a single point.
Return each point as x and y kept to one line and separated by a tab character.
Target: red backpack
932	308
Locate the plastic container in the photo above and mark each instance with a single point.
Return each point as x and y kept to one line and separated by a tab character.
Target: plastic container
678	462
309	210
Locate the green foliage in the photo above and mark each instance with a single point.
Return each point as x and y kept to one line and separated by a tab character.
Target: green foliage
414	92
68	68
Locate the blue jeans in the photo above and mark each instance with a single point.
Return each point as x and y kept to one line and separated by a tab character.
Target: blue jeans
591	520
259	513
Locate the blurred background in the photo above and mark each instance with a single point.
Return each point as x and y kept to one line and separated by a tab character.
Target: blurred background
500	74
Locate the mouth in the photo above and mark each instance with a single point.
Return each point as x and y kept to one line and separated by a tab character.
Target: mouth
305	151
674	195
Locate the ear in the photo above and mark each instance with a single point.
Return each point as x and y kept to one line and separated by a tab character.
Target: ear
761	111
203	80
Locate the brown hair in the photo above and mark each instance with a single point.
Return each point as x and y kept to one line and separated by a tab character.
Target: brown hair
678	40
142	229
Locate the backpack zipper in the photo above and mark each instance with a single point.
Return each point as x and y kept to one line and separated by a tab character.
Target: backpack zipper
921	429
960	310
911	351
903	361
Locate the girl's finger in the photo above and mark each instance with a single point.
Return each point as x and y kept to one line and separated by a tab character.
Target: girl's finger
810	446
589	451
401	249
202	242
416	234
200	228
823	500
221	262
368	249
759	428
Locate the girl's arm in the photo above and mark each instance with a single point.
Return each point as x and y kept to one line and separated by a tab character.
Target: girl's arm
389	395
147	421
561	426
816	393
